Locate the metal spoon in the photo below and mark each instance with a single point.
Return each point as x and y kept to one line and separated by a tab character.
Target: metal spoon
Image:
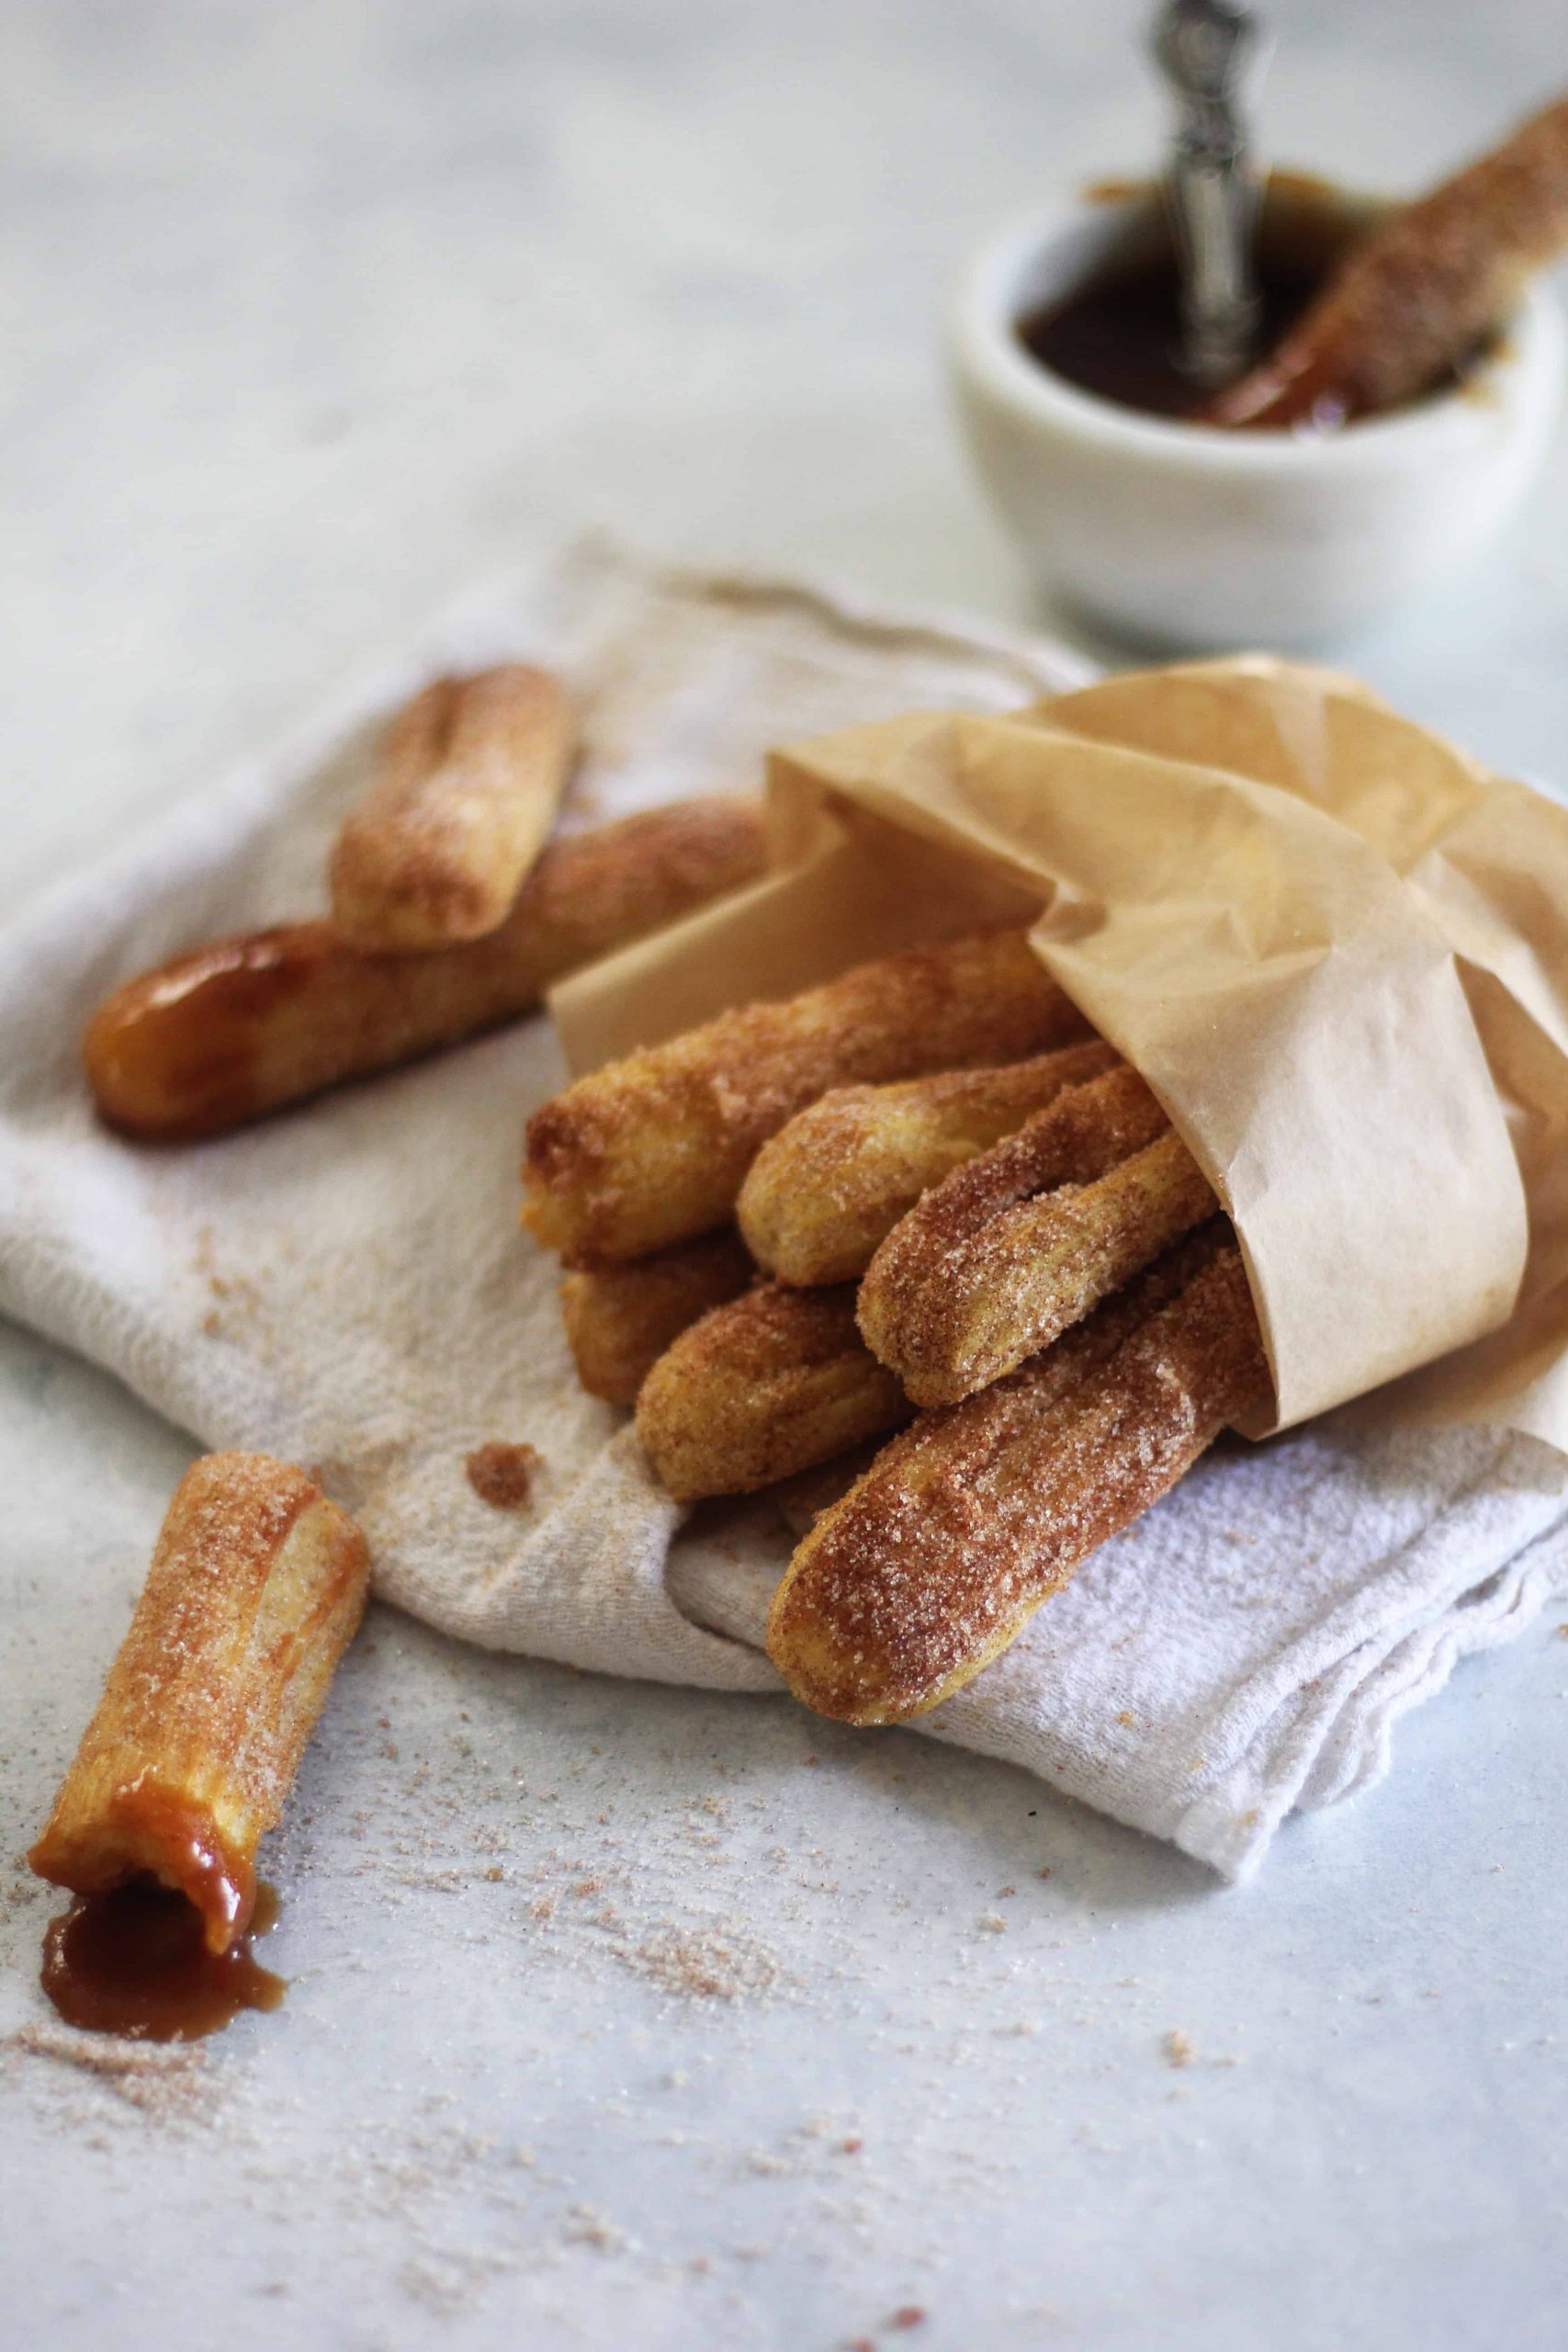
1201	48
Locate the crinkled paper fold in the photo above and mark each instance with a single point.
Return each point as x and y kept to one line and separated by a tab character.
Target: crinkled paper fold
1335	947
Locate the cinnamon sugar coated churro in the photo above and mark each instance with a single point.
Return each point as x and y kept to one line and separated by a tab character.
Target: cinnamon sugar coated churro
1025	1238
775	1382
1416	297
618	1323
654	1148
830	1187
255	1588
247	1025
937	1557
471	776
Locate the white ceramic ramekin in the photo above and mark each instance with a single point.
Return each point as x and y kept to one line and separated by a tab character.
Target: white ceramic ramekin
1187	537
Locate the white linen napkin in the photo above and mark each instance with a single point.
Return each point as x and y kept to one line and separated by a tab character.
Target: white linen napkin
347	1285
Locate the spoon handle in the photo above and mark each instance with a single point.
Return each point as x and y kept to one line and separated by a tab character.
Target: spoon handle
1201	48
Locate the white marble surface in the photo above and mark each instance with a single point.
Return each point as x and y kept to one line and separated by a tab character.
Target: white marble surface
314	313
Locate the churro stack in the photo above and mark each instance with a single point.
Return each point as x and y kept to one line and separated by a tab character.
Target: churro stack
922	1200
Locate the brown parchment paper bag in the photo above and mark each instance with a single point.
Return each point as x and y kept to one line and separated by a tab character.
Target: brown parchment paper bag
1335	947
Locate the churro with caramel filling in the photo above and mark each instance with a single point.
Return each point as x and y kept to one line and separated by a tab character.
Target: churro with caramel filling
775	1382
830	1187
654	1148
255	1588
471	775
1417	298
618	1323
247	1025
1021	1242
939	1555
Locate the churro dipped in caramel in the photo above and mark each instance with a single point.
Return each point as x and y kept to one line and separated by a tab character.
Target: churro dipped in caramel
471	776
1023	1240
655	1149
245	1025
830	1187
939	1555
618	1323
1416	298
254	1591
775	1383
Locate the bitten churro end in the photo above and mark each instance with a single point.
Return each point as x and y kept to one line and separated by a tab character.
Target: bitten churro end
256	1586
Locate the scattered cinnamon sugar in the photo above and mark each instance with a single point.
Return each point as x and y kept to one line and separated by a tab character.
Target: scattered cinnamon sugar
168	2081
501	1475
707	1964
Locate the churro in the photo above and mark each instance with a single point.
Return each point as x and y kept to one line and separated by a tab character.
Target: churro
772	1383
654	1148
245	1025
939	1553
255	1588
471	775
1416	297
830	1187
618	1323
1023	1240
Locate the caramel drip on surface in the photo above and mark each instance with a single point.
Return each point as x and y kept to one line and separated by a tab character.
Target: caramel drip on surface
136	1961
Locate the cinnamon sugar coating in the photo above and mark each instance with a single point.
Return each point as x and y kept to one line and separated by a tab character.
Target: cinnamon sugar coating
939	1553
471	775
775	1383
244	1025
254	1591
618	1323
1021	1242
654	1148
830	1187
1416	298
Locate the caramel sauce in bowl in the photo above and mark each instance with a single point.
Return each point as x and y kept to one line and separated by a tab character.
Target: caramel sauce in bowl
1118	334
1187	535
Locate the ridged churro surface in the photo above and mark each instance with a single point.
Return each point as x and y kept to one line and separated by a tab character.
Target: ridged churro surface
939	1555
244	1025
830	1187
1023	1239
618	1323
1419	294
772	1383
255	1588
654	1148
471	775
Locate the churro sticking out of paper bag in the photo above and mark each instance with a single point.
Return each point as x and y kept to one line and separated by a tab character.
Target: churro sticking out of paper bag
1337	948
